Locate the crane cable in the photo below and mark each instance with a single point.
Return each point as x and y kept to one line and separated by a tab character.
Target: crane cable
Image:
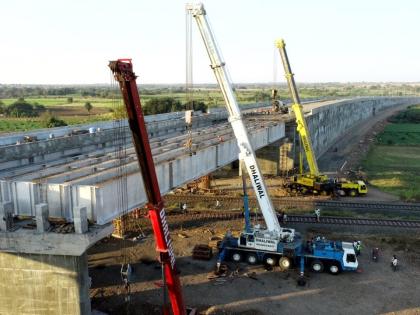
120	154
189	92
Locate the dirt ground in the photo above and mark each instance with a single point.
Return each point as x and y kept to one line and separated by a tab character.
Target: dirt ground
376	289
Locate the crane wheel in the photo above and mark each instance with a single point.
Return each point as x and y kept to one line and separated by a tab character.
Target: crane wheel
284	263
353	193
317	266
271	261
334	269
236	257
252	259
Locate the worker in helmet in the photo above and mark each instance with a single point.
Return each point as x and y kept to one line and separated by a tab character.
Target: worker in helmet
358	248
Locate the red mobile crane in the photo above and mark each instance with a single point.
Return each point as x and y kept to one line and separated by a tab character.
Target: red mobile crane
123	73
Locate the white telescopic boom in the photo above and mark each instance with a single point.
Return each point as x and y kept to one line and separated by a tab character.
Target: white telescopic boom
235	118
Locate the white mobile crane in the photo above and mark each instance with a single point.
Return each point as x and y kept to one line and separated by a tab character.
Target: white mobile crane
256	237
273	244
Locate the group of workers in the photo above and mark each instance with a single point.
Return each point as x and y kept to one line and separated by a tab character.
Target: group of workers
375	254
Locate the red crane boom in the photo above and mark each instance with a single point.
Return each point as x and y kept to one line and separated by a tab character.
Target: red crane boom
123	73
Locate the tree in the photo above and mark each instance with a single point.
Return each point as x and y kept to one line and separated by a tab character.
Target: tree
162	105
196	105
69	100
88	107
20	109
38	107
2	107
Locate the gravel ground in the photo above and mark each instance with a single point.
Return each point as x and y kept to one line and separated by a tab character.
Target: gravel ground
374	290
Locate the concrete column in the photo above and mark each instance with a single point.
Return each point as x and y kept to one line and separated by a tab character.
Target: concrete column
42	224
80	220
6	216
44	284
269	159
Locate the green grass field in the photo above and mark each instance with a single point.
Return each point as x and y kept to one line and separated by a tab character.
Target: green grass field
400	134
393	163
395	169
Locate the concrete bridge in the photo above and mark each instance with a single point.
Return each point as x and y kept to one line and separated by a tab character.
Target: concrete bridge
78	178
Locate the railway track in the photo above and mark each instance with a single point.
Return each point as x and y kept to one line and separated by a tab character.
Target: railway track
233	215
291	202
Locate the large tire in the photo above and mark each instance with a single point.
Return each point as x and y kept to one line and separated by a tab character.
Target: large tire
334	269
352	193
284	263
270	260
251	259
236	256
317	266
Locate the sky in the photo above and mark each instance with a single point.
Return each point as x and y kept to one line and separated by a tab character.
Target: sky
70	42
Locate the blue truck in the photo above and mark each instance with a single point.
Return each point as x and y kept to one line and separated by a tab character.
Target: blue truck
256	246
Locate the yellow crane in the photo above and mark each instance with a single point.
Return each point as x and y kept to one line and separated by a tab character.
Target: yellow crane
313	181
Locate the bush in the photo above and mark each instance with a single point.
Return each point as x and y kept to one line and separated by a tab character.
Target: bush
48	120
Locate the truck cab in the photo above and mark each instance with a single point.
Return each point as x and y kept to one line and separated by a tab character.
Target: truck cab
349	261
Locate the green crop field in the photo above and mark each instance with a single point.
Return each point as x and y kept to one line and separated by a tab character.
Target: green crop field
26	124
62	101
18	124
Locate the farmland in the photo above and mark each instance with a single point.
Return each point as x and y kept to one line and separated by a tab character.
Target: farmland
68	103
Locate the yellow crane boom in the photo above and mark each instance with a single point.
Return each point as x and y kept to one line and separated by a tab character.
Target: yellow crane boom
302	127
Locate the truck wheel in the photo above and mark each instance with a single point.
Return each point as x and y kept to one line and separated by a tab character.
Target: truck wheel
284	263
352	193
251	259
236	257
334	269
269	260
317	266
304	190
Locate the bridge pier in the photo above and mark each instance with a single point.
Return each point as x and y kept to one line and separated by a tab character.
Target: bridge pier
43	268
42	284
276	158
